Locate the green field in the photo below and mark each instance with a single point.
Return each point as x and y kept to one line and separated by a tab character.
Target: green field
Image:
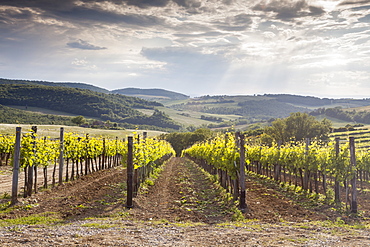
41	110
54	130
361	135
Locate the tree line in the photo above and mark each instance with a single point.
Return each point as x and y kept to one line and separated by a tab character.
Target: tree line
107	107
345	115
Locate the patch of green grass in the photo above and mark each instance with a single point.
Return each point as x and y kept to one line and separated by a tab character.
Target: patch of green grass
232	207
251	224
98	225
123	214
237	214
149	182
80	206
151	179
5	207
189	224
46	218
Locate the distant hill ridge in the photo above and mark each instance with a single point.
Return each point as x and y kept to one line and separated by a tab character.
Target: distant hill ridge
134	92
135	105
55	84
113	107
155	92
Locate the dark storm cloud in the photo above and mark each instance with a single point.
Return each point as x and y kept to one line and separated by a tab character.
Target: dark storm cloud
18	14
84	14
162	3
286	9
147	3
81	44
236	23
41	4
68	9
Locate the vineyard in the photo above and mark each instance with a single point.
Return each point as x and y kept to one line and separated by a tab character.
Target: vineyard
296	194
75	156
361	135
312	167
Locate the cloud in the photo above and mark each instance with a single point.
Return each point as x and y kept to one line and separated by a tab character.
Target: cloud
41	4
187	67
185	58
287	9
186	45
188	3
163	3
84	15
353	2
147	3
83	45
84	11
238	22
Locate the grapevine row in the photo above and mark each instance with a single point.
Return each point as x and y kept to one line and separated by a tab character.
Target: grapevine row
81	155
309	164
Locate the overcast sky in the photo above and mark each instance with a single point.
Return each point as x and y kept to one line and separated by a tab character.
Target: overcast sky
196	47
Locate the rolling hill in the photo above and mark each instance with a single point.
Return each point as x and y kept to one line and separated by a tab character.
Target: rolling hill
113	107
151	94
135	106
55	84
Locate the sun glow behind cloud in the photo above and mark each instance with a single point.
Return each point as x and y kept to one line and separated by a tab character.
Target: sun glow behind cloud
194	46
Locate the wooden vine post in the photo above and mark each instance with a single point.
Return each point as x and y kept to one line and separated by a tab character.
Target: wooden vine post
61	156
16	161
336	181
130	172
30	172
353	181
242	202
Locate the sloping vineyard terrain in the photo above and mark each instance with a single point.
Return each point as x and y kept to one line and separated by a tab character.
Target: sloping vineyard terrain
289	194
184	207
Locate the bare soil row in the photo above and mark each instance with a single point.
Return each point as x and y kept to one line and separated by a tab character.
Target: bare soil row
182	208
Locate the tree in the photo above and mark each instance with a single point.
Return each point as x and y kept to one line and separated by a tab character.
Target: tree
278	130
301	125
298	126
78	120
181	141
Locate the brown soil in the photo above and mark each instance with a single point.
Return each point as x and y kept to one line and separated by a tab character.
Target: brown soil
182	208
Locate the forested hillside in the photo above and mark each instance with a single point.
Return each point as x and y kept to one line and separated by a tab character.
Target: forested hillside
205	111
134	92
260	107
310	101
151	93
9	115
112	107
344	115
54	84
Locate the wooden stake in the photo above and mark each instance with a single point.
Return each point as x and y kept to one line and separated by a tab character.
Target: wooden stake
17	154
336	181
61	156
130	172
354	178
242	203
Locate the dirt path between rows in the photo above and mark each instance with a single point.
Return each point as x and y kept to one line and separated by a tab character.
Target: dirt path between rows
182	208
6	178
182	193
